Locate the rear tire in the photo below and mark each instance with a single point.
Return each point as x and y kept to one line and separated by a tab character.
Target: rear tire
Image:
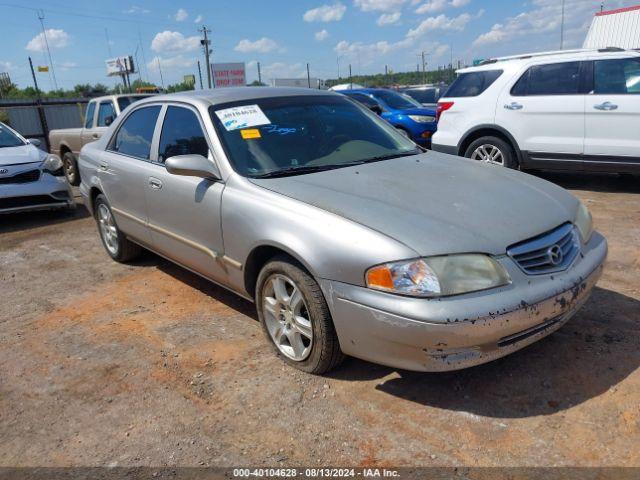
492	150
70	165
293	312
117	245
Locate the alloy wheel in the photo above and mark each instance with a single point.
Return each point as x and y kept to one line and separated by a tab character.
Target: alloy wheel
489	154
108	229
287	317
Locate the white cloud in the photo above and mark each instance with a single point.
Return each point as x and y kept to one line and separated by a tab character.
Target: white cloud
379	5
6	66
388	19
56	38
66	65
134	9
441	22
322	35
495	35
459	3
263	45
325	13
181	15
171	63
279	70
198	19
432	6
174	42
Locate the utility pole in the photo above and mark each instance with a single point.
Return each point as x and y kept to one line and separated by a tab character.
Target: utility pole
205	45
308	77
424	69
41	115
200	75
386	74
350	79
562	28
259	75
46	43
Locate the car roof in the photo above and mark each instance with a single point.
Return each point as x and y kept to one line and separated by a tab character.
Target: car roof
218	96
515	61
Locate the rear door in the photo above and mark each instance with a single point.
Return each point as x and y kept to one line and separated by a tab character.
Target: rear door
544	111
184	212
89	124
612	116
125	168
105	116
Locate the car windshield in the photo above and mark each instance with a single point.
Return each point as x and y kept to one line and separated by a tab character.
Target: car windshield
8	138
124	102
395	100
302	134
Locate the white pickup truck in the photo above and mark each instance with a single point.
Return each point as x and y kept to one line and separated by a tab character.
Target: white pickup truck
100	113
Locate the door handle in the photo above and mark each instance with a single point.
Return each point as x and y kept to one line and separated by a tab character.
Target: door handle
155	183
95	135
606	106
513	106
104	166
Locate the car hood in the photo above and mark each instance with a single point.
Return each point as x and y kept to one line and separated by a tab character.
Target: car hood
419	111
435	203
20	155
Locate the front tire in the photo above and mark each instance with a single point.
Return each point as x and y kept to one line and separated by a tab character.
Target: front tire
295	317
492	150
117	245
71	169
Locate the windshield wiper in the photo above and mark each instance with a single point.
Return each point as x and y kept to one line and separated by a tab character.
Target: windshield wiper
285	172
389	156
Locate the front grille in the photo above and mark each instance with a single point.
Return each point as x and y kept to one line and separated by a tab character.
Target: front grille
24	177
29	201
550	252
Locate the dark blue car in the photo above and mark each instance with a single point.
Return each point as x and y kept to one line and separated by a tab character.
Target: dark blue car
401	111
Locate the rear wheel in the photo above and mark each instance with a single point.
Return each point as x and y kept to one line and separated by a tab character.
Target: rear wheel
71	169
117	245
295	317
492	150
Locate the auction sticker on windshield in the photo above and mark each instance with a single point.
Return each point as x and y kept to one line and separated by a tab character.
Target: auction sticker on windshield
242	117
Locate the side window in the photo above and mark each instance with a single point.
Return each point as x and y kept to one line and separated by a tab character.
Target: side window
88	116
554	79
472	84
106	111
363	99
181	135
621	76
136	133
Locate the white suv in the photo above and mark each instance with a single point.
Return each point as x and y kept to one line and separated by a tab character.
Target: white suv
571	110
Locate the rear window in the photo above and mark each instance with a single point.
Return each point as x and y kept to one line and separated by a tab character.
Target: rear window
124	102
427	95
473	84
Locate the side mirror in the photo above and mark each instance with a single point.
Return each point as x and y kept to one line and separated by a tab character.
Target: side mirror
192	166
377	109
35	142
108	120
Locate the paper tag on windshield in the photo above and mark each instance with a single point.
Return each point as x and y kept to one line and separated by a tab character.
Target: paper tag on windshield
242	117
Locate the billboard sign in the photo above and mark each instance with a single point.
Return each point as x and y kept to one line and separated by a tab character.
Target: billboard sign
189	80
120	66
229	75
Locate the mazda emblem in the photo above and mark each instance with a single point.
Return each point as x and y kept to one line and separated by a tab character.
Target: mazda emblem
555	255
3	171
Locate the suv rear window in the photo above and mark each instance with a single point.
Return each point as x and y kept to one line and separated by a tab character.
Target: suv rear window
472	84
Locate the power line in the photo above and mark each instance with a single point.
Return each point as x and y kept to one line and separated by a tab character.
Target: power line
46	43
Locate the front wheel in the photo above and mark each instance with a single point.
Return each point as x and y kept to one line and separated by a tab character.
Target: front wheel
71	169
492	150
117	245
296	318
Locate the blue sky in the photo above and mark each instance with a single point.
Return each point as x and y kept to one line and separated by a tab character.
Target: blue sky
283	35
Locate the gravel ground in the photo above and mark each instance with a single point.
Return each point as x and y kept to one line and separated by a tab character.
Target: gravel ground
146	364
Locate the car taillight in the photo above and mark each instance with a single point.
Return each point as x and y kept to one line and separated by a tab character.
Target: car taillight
442	107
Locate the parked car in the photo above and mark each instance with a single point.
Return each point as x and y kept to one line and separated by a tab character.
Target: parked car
571	110
348	237
100	113
426	95
30	179
404	113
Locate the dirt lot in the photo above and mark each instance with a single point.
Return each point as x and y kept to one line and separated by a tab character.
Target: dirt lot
147	364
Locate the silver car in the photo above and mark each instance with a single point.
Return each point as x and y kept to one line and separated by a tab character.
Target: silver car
349	238
30	179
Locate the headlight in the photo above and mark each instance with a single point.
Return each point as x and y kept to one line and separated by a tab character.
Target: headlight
422	118
438	276
584	222
53	165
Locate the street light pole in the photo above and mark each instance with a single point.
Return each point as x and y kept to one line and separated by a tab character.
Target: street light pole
562	28
205	45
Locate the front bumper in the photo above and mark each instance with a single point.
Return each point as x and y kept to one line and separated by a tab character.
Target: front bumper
461	331
47	193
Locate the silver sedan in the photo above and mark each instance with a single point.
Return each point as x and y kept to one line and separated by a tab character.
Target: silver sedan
349	238
30	179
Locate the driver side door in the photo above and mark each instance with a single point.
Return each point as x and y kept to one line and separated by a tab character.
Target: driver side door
184	212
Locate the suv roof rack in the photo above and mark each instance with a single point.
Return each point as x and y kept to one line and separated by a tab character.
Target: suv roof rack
525	56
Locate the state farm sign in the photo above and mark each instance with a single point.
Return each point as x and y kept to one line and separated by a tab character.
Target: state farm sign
229	75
